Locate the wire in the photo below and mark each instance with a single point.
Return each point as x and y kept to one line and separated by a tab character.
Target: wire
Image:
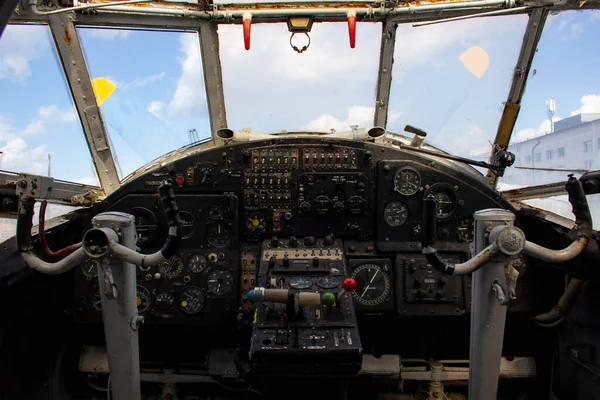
249	389
99	388
42	234
108	396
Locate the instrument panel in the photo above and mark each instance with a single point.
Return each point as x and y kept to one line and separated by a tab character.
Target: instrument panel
300	193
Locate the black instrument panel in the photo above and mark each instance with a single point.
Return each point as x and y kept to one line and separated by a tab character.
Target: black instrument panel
233	198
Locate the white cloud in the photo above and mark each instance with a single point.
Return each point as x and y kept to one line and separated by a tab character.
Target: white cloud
35	127
156	108
52	113
590	104
139	82
530	133
21	44
189	98
474	143
17	156
110	34
357	115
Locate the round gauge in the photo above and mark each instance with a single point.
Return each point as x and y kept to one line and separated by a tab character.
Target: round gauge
322	204
143	298
97	300
197	263
220	281
328	282
172	268
164	299
215	212
89	268
301	282
395	214
188	224
191	300
407	181
447	199
356	204
219	235
255	222
372	285
145	225
464	230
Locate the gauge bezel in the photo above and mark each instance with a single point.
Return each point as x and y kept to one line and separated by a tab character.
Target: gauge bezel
202	296
208	236
397	189
294	285
261	217
191	257
152	217
180	270
386	291
148	296
385	209
193	226
208	285
329	286
451	191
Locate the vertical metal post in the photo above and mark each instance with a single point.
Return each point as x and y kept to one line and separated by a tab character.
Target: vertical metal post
488	315
213	78
118	292
71	56
384	77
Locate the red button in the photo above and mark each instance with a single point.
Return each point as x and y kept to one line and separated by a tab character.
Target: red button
349	284
179	179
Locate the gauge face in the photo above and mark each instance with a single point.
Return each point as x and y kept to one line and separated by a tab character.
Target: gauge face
164	299
219	235
322	204
188	224
97	300
220	281
255	222
395	214
372	285
301	282
172	268
464	230
328	282
89	268
215	212
447	200
145	225
197	263
407	181
143	299
356	204
191	300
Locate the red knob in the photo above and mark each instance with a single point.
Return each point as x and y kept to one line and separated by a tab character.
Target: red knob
180	180
349	284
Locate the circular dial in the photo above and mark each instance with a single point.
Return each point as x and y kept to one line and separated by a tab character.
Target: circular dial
197	263
188	224
215	212
255	222
143	299
407	181
395	213
191	300
356	204
89	268
97	300
145	225
372	285
328	282
164	299
322	204
464	230
171	268
219	235
301	282
447	199
220	281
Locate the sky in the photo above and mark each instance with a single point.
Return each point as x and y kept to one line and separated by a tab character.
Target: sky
449	79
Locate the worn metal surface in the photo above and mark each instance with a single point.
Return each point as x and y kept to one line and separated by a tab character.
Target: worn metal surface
6	10
535	192
384	76
120	313
71	56
531	38
53	190
488	314
213	77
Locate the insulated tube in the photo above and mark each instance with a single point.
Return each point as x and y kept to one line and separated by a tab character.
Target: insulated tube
64	265
565	303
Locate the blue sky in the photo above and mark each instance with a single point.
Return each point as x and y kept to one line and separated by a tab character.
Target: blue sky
160	88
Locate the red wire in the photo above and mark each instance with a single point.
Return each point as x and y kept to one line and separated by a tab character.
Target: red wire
62	252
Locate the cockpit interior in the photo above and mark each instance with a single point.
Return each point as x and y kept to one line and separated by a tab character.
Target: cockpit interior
364	264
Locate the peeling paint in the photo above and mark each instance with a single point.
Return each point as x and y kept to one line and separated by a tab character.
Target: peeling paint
68	38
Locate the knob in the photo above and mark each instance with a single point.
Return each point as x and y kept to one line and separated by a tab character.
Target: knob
305	206
338	206
286	262
272	262
316	262
293	242
328	240
274	242
309	241
349	284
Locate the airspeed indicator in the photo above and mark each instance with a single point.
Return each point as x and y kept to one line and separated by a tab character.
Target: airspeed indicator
395	214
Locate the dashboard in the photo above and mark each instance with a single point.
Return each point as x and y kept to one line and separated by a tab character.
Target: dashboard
317	200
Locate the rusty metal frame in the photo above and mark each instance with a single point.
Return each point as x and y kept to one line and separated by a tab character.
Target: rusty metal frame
71	56
384	76
531	38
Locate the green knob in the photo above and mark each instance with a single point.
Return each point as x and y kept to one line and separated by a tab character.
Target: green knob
328	299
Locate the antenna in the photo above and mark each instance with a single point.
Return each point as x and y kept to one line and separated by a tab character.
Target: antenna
551	109
193	135
49	165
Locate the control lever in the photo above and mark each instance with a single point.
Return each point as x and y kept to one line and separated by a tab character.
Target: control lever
261	294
